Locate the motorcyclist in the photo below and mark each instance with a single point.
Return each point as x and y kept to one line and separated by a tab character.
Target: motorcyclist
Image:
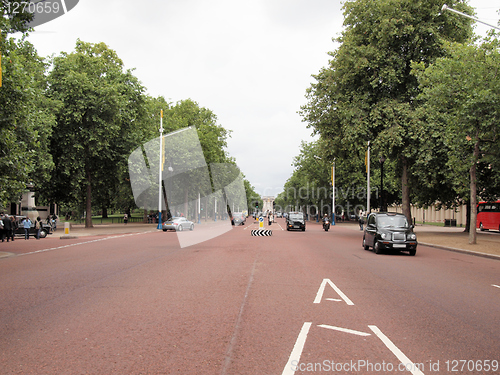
326	222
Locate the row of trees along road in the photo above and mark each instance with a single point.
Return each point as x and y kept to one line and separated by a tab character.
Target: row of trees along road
415	83
69	123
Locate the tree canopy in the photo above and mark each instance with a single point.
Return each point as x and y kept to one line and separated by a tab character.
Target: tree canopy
461	95
69	123
26	114
367	92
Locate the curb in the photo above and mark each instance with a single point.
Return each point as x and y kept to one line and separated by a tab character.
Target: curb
468	252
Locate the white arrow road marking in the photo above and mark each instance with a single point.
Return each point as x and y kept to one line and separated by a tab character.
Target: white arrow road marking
409	365
321	290
346	330
333	299
291	365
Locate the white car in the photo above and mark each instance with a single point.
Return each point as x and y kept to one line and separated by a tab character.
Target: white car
178	224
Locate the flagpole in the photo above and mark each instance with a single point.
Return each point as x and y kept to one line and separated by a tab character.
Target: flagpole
159	172
333	195
368	180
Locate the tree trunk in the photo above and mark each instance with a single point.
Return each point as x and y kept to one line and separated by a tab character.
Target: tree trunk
473	196
104	212
406	191
88	209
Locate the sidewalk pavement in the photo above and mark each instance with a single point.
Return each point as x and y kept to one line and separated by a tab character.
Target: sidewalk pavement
448	238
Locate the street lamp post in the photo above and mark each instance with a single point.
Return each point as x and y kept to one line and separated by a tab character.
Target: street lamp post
382	202
446	7
160	165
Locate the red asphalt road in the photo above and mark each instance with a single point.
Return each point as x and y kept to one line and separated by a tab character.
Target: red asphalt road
139	304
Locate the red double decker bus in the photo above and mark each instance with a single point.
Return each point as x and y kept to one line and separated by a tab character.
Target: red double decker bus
488	215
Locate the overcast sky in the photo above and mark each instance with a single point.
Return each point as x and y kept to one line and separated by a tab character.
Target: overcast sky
250	62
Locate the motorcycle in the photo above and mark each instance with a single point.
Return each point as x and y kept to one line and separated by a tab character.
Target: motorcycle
326	225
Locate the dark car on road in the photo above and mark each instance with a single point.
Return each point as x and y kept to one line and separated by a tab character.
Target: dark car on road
46	228
295	220
389	231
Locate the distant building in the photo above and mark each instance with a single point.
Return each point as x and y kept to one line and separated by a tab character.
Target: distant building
27	206
268	204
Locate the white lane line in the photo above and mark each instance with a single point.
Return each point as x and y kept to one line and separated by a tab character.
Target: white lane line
236	331
79	243
496	286
321	290
293	361
279	225
346	330
409	365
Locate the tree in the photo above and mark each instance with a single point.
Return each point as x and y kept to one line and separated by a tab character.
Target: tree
368	92
98	103
213	137
15	18
462	94
26	115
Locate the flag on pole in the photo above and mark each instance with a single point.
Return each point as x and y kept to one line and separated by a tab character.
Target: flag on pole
162	151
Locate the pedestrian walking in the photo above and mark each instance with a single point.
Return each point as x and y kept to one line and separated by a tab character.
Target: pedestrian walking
15	226
38	227
125	218
360	220
7	228
2	230
27	225
54	222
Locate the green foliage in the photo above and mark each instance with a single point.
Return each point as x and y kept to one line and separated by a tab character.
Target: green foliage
99	102
461	96
213	137
70	132
26	120
252	197
367	93
14	19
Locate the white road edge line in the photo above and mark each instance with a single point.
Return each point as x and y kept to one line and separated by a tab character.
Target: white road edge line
409	365
297	350
321	290
496	286
80	243
346	330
